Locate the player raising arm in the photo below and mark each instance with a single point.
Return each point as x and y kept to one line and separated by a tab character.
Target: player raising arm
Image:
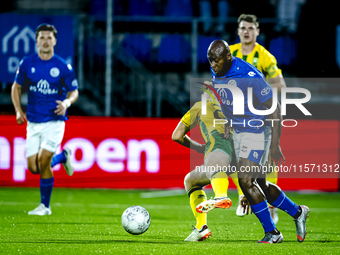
52	88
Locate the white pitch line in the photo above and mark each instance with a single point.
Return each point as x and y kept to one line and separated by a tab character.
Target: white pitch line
148	206
163	193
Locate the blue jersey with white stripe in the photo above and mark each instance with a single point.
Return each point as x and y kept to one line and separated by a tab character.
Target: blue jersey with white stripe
244	75
46	82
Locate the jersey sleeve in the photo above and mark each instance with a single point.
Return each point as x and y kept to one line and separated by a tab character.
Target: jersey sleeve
262	91
21	72
270	65
190	119
70	80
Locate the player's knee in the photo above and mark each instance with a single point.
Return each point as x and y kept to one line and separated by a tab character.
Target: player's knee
33	169
43	164
187	181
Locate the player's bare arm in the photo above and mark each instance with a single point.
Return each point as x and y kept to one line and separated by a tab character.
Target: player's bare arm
180	136
63	105
275	149
277	82
16	99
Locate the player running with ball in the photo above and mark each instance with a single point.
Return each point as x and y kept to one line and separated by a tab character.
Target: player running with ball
249	140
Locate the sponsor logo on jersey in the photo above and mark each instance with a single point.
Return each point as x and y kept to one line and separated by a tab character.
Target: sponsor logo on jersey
255	61
265	91
251	73
54	72
223	94
43	87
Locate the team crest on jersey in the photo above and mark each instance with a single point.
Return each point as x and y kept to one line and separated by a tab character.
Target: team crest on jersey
255	61
232	83
74	83
54	72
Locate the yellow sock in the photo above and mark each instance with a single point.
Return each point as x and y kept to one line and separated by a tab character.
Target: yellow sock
235	180
220	184
197	197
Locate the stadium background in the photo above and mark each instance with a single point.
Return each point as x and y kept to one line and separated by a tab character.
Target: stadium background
157	46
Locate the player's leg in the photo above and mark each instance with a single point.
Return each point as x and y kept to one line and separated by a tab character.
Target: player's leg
258	202
279	199
272	178
33	141
32	164
194	183
249	149
63	158
51	135
271	173
216	164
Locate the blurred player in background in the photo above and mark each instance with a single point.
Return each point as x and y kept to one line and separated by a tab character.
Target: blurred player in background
252	52
249	140
218	152
52	88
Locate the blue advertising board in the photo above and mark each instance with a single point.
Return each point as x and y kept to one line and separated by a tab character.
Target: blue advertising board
17	39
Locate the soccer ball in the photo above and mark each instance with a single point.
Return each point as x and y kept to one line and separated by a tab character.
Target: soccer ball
136	220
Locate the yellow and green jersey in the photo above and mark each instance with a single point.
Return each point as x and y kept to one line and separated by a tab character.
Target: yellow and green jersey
212	135
262	59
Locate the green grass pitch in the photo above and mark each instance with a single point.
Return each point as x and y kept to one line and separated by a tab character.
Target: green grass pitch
87	221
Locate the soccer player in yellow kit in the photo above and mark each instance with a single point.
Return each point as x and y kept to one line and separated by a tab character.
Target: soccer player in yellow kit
252	52
218	152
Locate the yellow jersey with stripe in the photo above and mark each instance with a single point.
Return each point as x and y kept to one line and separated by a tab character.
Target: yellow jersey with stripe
261	58
212	135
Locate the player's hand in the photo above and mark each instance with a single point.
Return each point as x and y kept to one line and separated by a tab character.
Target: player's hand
246	206
276	153
20	116
61	108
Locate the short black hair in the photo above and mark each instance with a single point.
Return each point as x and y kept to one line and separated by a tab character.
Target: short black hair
46	27
249	18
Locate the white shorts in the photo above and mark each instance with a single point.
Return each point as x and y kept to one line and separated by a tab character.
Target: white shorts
249	146
47	135
267	141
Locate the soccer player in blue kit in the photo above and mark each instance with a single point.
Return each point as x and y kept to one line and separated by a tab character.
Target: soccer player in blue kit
52	88
249	139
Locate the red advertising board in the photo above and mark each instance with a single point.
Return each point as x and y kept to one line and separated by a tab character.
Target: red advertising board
138	153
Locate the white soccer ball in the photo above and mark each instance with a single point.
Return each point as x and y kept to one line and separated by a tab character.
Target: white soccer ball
136	220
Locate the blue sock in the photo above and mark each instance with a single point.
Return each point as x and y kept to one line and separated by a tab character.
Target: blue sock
261	211
285	204
46	186
59	158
